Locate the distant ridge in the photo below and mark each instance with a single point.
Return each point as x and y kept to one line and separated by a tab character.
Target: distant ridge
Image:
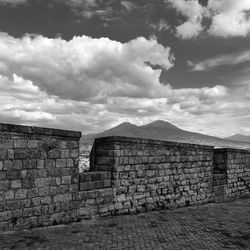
239	137
162	130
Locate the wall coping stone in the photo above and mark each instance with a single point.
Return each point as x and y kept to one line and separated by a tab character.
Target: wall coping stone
231	150
38	130
133	140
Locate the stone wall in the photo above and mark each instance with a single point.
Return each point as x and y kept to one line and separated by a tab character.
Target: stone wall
149	174
95	194
38	176
235	165
220	176
40	183
94	180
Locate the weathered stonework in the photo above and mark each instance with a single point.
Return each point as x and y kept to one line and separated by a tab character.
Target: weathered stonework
234	165
40	183
149	174
38	176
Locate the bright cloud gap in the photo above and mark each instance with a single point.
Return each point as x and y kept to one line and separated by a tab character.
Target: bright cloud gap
228	18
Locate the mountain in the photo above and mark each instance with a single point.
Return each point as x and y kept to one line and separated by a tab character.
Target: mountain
162	130
239	137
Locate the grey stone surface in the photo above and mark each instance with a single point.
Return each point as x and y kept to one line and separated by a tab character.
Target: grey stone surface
209	226
36	183
40	183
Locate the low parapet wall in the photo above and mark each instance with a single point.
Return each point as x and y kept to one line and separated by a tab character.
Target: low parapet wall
150	174
234	164
40	183
38	176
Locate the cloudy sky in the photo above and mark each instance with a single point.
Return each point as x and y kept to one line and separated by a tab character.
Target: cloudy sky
91	64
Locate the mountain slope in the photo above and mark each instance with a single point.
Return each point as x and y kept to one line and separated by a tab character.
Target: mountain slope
162	130
239	137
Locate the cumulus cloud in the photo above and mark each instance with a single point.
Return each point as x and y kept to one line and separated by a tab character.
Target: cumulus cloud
38	74
85	68
24	103
21	100
93	84
194	13
189	30
227	17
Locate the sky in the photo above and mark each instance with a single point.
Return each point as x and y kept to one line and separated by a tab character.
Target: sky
89	65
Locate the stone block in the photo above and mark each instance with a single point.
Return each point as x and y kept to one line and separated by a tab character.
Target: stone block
63	145
121	197
33	143
70	163
46	200
43	191
27	212
66	180
103	209
54	153
4	185
127	204
8	165
58	198
139	196
2	176
4	216
33	192
19	143
125	183
49	163
3	154
8	195
21	154
21	194
40	164
6	144
106	183
39	182
118	205
36	201
35	153
16	213
61	163
10	154
65	153
16	184
74	153
140	173
141	188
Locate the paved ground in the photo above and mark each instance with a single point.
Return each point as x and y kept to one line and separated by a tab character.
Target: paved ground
211	226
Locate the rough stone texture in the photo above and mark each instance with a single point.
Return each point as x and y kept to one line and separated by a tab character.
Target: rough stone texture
217	226
38	176
40	183
149	174
234	164
95	203
219	176
94	180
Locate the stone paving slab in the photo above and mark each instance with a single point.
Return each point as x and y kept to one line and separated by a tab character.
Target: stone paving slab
210	226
